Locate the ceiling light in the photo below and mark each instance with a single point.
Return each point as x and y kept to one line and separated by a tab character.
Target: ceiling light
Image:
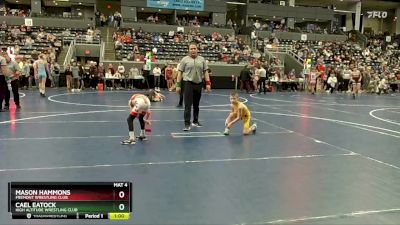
344	11
236	3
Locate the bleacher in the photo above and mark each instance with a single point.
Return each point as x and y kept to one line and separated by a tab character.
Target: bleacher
170	50
60	38
338	48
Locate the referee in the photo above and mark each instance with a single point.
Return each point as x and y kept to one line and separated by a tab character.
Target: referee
192	69
3	84
15	70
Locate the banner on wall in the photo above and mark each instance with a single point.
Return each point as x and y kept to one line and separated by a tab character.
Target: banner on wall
195	5
303	37
28	22
180	29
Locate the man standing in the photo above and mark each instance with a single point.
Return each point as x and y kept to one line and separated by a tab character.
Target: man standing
4	72
157	75
244	78
13	82
263	78
192	69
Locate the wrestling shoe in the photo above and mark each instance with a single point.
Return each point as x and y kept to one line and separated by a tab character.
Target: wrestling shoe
128	142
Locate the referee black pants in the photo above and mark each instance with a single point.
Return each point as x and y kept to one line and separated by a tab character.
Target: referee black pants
192	95
261	84
181	94
14	88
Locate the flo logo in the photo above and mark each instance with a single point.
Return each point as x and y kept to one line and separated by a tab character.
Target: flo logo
377	14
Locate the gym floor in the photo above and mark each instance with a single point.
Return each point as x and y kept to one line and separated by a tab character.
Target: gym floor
315	159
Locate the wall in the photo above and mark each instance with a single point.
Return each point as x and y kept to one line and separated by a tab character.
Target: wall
299	12
36	6
166	28
87	12
380	25
297	36
101	6
349	22
219	18
209	5
292	63
375	24
136	3
48	22
81	48
397	25
129	13
215	6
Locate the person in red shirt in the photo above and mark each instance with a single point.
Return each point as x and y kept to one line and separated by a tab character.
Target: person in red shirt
356	81
168	77
321	72
313	80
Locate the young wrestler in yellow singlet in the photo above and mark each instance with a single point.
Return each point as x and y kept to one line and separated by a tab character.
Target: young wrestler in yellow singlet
239	112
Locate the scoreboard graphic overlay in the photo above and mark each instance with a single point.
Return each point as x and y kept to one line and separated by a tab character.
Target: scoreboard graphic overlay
70	200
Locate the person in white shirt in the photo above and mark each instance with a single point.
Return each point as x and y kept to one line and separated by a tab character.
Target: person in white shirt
382	86
262	79
134	75
256	77
121	71
146	72
356	78
117	80
257	25
332	81
346	78
157	75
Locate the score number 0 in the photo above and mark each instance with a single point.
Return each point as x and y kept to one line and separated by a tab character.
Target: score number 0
121	195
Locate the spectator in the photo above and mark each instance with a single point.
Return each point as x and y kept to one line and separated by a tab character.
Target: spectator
157	75
245	77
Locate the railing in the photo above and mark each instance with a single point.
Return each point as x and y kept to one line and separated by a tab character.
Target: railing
359	37
298	58
102	51
82	39
279	49
69	54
